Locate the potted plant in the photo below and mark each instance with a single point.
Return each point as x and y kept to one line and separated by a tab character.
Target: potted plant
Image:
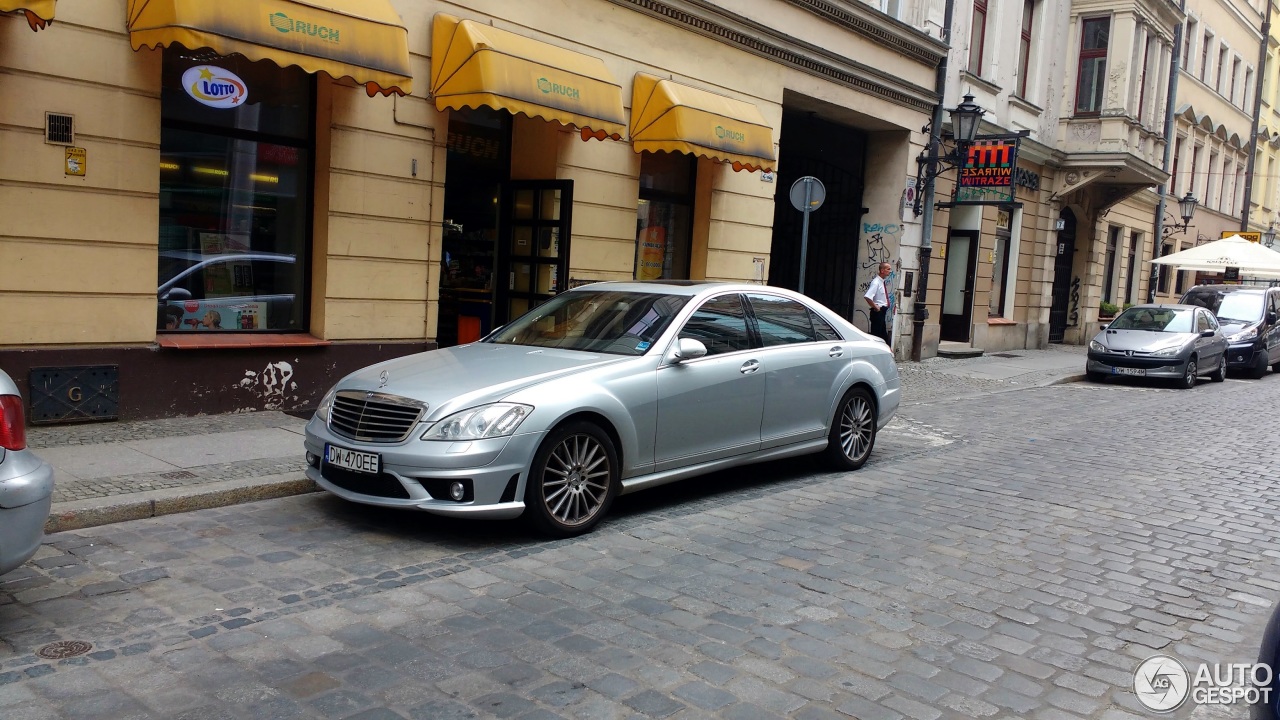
1107	310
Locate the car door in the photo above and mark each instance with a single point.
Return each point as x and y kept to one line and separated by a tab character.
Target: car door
710	407
801	373
1209	349
1271	325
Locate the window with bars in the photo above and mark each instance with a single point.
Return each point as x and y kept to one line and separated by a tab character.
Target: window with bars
1091	77
59	129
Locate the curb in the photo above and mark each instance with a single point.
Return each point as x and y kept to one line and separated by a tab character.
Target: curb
81	514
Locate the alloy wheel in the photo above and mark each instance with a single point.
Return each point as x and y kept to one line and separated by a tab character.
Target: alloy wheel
575	482
857	428
1190	380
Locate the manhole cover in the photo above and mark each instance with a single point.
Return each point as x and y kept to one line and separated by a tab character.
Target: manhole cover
64	649
178	475
1005	355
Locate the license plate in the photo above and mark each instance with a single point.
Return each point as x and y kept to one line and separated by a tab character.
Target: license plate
1129	371
353	460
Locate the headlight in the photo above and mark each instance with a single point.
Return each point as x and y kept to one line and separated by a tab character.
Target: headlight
486	421
1096	346
1247	335
326	402
1169	351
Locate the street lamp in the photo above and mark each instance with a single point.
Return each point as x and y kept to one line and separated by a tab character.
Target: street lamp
1269	236
935	160
1187	208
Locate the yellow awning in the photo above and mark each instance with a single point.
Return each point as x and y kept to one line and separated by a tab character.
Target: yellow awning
39	12
474	65
364	40
668	116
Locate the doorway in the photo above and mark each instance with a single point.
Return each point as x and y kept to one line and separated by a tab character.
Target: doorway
957	286
831	265
533	249
1059	311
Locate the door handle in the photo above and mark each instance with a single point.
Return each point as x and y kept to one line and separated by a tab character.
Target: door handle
835	352
749	367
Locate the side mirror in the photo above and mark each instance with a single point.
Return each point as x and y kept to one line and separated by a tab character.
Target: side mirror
1208	333
1273	318
688	349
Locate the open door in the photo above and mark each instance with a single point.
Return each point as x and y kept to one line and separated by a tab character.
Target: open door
533	244
957	286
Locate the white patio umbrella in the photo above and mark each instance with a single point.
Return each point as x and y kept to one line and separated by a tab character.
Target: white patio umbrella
1232	251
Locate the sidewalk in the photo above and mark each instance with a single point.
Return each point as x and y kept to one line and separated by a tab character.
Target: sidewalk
112	472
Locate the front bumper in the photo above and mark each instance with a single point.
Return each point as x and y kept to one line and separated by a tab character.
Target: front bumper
1111	364
1242	355
494	469
22	527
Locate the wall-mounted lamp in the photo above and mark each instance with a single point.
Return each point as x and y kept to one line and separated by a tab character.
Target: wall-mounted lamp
965	119
1187	209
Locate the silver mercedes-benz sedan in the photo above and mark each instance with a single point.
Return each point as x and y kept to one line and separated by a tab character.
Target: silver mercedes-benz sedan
1180	342
605	389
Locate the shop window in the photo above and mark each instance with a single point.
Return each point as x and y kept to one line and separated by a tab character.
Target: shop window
1163	285
1091	77
236	149
1110	269
1000	265
664	219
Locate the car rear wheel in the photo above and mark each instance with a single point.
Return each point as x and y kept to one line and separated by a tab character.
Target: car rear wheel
1220	375
1189	377
573	480
853	431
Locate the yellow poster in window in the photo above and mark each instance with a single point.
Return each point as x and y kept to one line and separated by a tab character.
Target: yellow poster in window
653	252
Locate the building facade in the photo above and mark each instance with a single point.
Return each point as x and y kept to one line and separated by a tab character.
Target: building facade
226	207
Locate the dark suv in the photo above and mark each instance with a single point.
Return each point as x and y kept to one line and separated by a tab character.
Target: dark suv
1250	320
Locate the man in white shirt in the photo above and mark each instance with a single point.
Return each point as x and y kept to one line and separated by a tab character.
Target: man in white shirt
878	298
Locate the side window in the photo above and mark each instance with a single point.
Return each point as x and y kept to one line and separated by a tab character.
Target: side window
1213	321
823	329
720	324
781	321
1202	321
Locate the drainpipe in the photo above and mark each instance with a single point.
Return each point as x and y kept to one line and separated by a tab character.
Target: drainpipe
1170	105
919	311
1257	120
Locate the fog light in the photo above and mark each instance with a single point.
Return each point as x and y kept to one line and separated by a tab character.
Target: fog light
313	460
457	491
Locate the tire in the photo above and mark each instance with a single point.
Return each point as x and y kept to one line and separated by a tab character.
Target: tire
1259	366
1220	375
853	431
1188	380
1095	376
572	481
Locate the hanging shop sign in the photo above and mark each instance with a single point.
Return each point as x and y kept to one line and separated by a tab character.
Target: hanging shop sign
214	86
987	173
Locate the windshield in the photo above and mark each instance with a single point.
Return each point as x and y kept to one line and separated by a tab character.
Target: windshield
1170	320
618	323
1241	307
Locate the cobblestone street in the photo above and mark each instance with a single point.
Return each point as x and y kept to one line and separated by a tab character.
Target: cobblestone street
1004	554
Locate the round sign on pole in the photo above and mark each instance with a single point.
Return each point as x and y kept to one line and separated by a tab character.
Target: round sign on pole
817	192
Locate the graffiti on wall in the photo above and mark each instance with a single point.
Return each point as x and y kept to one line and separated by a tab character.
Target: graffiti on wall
881	241
273	385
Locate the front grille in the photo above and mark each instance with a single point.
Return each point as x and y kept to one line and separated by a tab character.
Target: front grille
374	417
380	485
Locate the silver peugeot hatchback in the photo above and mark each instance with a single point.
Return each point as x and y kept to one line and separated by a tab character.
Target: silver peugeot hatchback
26	483
605	389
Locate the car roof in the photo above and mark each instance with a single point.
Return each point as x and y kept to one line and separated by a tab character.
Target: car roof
688	288
1229	288
1164	306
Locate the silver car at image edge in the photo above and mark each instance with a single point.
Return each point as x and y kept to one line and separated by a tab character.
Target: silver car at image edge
604	389
26	483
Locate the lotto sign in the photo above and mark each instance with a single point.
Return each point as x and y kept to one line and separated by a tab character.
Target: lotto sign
214	86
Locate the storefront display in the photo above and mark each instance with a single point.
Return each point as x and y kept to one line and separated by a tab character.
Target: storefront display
236	147
664	217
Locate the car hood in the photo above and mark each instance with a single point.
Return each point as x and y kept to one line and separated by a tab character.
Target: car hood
1231	327
457	378
1142	340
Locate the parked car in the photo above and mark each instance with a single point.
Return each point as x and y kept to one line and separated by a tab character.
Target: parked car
1250	320
1161	341
26	483
1268	707
603	390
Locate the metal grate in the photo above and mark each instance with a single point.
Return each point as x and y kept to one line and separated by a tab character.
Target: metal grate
380	485
59	129
374	417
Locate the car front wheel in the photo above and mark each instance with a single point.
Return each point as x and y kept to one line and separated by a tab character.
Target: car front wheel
853	431
573	480
1189	377
1220	375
